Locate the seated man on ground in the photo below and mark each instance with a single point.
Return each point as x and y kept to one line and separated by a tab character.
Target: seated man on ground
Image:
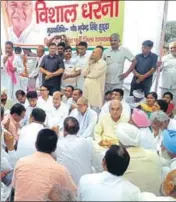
28	134
117	94
21	98
77	93
109	185
36	174
67	98
74	152
86	117
105	130
144	169
58	112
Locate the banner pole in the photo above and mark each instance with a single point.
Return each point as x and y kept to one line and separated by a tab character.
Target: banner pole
164	21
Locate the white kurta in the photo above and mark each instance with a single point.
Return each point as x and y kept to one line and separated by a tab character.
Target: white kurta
56	117
77	155
106	187
46	105
27	139
94	83
126	111
87	122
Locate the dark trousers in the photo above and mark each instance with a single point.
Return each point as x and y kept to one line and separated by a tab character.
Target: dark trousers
52	89
143	87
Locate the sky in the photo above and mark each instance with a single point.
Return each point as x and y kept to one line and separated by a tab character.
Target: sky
171	15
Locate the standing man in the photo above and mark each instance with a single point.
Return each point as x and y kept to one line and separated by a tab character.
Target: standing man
36	71
52	68
115	58
168	77
94	76
83	59
145	65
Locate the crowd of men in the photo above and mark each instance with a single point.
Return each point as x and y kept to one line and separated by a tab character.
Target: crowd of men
70	134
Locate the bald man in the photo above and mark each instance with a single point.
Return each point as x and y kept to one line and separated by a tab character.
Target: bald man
86	117
58	112
94	82
106	127
168	76
115	58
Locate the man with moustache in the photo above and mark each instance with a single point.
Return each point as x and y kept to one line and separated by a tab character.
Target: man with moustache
115	58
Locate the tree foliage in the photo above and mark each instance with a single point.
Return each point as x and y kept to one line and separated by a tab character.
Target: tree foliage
170	32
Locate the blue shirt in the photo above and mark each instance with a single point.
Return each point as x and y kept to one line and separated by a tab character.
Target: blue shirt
145	64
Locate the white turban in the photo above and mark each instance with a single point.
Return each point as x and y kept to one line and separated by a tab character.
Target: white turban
128	134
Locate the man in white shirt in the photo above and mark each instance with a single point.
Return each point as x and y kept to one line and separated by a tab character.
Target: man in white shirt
75	152
86	117
117	94
28	134
32	100
115	58
58	112
67	98
109	185
168	77
83	59
71	71
45	102
21	98
77	93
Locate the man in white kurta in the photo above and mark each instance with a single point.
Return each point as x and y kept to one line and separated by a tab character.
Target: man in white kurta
117	94
74	152
109	185
58	112
86	117
94	75
28	134
168	76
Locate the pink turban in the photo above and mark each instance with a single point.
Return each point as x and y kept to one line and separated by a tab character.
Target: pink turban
140	118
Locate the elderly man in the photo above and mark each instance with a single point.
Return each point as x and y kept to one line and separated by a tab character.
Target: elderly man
22	30
21	98
115	58
109	185
86	117
58	112
168	149
168	77
74	152
94	76
41	167
105	129
159	122
117	94
144	169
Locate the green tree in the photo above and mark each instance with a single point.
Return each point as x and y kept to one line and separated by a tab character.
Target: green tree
170	32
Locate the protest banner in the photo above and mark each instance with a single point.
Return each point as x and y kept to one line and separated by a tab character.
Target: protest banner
33	23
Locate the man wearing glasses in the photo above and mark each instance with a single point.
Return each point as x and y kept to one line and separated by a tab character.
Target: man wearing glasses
115	59
22	30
